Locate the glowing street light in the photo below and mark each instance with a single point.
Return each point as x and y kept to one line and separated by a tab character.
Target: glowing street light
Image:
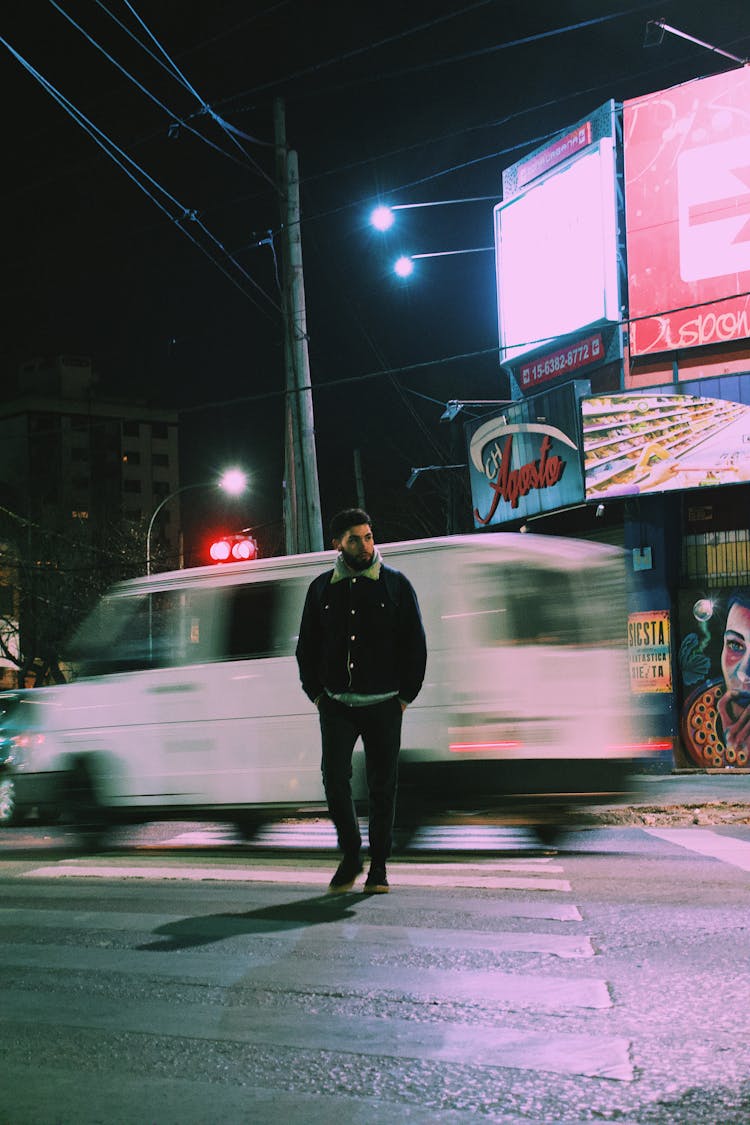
383	216
232	481
404	266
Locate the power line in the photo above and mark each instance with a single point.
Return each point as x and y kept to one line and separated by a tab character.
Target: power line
232	132
522	41
133	170
345	56
409	368
235	27
176	75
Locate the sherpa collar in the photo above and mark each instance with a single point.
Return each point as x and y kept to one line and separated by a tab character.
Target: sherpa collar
342	571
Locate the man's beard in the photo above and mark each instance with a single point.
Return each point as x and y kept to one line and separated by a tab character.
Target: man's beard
354	562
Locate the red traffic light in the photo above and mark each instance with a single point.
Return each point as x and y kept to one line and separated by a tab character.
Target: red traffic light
233	548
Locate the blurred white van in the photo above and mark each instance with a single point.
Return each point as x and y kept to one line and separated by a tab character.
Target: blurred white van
187	701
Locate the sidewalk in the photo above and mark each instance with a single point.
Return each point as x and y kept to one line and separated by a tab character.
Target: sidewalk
679	798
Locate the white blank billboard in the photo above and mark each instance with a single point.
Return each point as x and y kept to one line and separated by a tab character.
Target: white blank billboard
556	254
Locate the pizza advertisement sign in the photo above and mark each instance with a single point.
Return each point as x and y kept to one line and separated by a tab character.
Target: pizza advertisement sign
687	206
526	459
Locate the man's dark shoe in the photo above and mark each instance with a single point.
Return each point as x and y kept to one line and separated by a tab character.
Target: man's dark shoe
346	872
377	880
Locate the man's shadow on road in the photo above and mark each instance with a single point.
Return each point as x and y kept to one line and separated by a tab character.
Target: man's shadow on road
189	933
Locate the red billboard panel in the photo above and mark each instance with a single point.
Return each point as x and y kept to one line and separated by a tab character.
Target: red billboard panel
687	206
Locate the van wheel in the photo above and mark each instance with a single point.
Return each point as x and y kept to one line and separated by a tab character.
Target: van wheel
549	834
247	827
83	812
10	812
410	814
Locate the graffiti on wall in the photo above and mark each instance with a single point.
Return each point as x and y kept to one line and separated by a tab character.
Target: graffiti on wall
714	662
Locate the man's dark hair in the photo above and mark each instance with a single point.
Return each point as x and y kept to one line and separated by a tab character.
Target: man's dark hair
350	517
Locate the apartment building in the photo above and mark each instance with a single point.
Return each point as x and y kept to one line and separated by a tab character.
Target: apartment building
71	459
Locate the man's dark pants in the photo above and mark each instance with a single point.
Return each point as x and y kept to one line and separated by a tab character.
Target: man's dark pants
380	729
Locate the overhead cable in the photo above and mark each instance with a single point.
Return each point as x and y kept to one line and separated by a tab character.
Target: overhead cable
522	41
441	361
367	47
232	132
173	116
134	171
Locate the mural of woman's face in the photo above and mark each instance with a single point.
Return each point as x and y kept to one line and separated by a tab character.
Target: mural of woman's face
735	655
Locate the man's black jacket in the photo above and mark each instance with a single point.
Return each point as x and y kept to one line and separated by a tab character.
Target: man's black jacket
362	635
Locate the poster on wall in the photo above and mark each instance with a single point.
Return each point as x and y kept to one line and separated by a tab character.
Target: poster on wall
687	193
714	669
654	442
649	654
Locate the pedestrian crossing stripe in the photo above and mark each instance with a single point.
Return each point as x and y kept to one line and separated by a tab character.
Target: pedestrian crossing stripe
725	848
405	875
495	1047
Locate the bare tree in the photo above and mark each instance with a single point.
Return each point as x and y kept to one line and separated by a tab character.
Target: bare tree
56	574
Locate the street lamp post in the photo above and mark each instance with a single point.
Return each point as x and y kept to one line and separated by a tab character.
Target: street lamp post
233	482
383	217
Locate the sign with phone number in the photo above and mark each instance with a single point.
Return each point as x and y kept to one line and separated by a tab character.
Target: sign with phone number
562	362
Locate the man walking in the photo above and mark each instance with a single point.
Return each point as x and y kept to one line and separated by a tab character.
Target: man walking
361	656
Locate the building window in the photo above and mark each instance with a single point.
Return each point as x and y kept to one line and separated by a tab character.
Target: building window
717	558
131	457
159	430
161	459
161	487
131	429
131	486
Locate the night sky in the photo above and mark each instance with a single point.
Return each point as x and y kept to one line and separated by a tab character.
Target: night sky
401	101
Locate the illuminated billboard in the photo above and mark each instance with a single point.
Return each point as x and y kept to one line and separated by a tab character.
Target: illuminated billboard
687	205
556	254
657	442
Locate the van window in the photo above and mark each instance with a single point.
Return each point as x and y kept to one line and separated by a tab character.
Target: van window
167	628
547	606
252	616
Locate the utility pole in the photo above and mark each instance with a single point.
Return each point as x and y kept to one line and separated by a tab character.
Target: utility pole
302	516
359	479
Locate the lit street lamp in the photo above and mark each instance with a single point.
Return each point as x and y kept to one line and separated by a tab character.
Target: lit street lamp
384	216
233	482
404	266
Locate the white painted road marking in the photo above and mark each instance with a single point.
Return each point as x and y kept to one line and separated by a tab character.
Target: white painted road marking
566	946
595	1056
404	875
457	838
705	842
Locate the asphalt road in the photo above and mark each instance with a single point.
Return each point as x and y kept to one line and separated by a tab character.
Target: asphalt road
197	983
